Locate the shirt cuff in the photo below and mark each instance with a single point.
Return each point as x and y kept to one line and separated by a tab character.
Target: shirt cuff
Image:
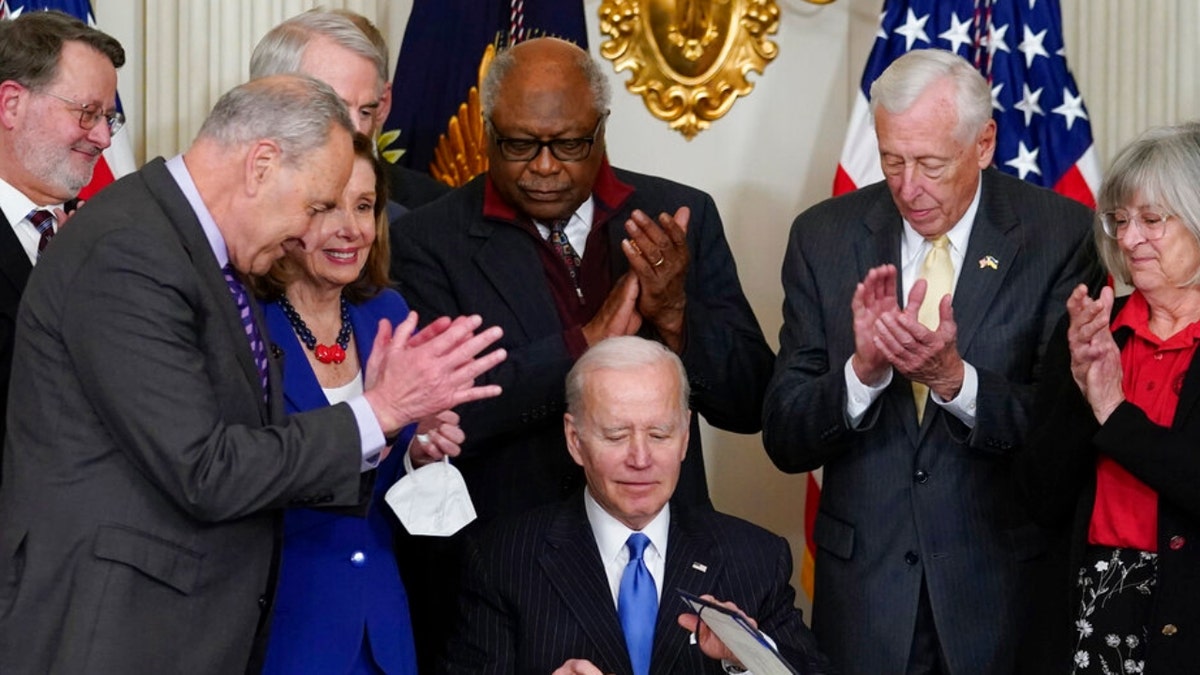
859	396
963	405
369	431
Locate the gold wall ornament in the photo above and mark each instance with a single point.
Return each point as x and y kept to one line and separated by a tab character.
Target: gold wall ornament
461	152
689	58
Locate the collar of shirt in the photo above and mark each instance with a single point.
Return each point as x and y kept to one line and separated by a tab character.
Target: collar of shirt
579	225
611	535
16	207
1135	315
183	178
914	247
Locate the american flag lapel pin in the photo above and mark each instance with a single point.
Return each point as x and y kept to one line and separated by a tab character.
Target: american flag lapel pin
989	261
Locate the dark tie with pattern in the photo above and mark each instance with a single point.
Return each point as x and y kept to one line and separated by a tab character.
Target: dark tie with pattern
637	605
43	221
558	239
257	347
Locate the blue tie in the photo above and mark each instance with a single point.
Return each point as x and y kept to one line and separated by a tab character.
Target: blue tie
637	605
257	348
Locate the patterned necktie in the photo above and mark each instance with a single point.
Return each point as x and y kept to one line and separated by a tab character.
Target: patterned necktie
938	273
637	605
558	239
43	220
257	347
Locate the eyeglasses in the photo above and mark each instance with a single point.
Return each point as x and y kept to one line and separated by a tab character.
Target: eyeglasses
563	149
90	115
1152	224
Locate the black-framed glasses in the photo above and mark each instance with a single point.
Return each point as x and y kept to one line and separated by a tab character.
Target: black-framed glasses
563	149
1151	223
90	115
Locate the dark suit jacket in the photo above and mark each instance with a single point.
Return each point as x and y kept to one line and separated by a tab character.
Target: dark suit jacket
1058	471
900	501
535	594
326	606
449	259
14	272
411	188
138	514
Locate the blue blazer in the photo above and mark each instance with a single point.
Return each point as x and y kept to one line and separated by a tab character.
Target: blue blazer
338	573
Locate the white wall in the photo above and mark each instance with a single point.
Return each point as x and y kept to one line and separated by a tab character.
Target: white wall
773	155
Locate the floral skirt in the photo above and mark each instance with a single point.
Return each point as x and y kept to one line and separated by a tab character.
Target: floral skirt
1115	591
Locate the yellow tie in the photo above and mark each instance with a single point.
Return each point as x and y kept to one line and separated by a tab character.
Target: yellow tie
938	273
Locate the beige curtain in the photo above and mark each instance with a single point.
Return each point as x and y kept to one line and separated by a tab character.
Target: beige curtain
195	51
1136	62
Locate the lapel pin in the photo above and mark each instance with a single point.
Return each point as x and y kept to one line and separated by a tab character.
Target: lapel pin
989	261
700	567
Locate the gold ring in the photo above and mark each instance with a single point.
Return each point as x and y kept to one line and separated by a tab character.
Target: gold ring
660	261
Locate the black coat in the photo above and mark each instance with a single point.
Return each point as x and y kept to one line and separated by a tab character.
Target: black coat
1058	474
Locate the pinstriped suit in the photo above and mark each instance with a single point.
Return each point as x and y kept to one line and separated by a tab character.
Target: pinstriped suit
902	501
536	595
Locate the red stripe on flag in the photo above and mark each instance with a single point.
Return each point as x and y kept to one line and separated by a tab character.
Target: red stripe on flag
812	498
102	176
1074	186
842	183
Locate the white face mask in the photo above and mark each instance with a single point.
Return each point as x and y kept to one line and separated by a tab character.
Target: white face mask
432	500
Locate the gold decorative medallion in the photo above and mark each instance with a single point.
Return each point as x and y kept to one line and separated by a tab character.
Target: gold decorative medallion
461	152
689	58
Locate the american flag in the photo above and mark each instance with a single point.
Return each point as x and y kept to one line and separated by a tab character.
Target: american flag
1043	132
118	159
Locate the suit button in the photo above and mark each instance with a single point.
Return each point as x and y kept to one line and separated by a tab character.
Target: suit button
358	559
1169	630
1177	542
911	558
921	476
262	602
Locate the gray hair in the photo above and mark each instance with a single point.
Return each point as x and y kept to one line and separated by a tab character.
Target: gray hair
903	82
296	111
282	48
1163	164
624	353
506	59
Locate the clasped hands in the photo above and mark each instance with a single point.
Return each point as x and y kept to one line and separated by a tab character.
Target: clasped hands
653	288
886	336
709	643
1095	356
419	376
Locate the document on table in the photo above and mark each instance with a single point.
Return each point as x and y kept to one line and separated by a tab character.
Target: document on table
749	645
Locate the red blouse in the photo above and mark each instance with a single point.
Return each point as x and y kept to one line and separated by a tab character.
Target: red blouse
1125	513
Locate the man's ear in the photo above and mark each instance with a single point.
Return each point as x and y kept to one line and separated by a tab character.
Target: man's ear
263	161
12	96
572	434
385	108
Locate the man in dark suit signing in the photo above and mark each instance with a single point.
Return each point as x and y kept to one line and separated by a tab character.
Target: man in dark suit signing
562	251
916	317
588	586
147	455
58	92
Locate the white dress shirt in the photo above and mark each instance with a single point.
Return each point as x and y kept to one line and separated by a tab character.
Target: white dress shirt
611	535
579	226
16	207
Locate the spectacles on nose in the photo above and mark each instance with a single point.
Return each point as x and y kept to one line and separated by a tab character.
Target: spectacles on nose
563	149
1152	224
90	114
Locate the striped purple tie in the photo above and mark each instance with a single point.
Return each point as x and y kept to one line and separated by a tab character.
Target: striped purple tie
238	291
43	221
